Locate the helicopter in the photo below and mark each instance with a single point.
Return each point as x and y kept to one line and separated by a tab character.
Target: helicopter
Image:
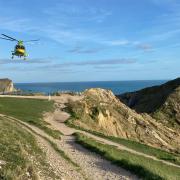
19	49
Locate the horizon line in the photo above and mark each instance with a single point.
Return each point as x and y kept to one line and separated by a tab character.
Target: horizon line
93	81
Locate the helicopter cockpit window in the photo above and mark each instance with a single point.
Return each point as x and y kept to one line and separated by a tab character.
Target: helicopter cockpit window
20	47
17	47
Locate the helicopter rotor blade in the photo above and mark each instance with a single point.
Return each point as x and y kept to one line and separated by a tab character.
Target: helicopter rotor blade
31	40
10	37
6	39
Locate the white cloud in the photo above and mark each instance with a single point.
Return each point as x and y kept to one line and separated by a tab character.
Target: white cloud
76	13
116	42
15	24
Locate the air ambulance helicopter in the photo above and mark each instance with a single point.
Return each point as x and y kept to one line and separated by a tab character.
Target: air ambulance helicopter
19	50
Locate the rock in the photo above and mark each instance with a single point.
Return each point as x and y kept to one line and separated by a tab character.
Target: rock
2	162
6	86
101	111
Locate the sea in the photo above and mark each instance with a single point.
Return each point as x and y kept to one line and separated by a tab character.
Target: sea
117	87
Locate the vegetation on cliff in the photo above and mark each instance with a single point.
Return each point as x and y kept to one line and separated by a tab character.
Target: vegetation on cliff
161	102
101	111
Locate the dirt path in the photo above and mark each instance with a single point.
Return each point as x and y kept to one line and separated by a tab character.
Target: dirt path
92	165
58	118
61	167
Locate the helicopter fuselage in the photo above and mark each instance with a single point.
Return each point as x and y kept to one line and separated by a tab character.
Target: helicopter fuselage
19	51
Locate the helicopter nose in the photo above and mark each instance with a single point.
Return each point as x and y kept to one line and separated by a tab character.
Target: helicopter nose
20	50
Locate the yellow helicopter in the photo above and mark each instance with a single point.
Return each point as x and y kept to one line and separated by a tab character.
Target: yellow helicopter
19	50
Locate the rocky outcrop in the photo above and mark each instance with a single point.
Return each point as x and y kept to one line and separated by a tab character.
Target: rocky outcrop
6	86
161	102
101	111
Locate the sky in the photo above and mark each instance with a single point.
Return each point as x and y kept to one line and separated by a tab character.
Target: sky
91	40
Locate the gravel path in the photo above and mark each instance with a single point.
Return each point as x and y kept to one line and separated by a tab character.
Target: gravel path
92	166
61	167
58	118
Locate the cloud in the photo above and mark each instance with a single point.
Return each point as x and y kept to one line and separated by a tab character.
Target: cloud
29	61
48	65
40	68
105	67
65	32
81	50
76	13
92	63
165	35
15	24
166	25
106	62
116	42
145	47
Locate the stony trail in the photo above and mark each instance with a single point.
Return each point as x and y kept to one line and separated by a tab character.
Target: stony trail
92	166
58	118
61	167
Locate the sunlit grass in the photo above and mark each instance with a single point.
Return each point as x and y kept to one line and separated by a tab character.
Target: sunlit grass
29	110
20	152
143	167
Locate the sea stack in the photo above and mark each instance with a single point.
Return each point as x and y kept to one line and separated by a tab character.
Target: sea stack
6	86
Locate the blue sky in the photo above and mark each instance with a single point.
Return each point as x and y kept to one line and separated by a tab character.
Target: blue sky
91	40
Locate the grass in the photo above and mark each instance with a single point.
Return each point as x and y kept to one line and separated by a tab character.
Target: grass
30	111
158	153
143	167
53	145
20	152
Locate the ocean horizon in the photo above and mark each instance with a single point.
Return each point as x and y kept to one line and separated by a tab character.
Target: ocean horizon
117	87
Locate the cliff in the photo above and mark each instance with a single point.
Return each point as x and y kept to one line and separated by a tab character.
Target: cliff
161	102
6	86
100	110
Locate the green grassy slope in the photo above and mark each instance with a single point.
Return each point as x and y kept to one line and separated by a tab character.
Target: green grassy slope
20	152
143	167
137	146
28	110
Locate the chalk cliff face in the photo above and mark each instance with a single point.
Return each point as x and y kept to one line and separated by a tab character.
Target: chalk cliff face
100	110
6	86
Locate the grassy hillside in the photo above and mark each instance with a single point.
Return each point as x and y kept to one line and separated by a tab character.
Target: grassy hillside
28	110
20	153
139	147
162	102
143	167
